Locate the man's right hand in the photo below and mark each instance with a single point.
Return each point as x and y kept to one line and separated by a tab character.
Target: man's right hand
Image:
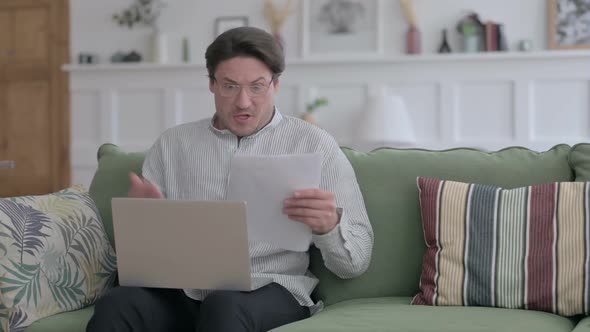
142	188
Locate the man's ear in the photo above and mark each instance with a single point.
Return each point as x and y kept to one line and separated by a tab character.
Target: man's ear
211	82
276	83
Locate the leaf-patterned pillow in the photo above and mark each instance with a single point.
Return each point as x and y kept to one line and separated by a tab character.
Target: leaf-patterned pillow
54	255
4	315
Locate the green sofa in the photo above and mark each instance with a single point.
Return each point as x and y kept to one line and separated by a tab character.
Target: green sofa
379	300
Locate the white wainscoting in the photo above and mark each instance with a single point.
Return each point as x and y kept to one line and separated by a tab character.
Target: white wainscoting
487	101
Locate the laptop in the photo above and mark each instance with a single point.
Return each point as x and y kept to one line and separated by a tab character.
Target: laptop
181	244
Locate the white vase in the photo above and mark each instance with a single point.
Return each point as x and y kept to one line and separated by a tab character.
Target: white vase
159	47
471	44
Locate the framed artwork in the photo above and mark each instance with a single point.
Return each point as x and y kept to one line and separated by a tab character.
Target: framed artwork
569	24
341	28
225	23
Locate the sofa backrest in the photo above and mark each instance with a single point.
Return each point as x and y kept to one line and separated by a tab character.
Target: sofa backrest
112	180
387	178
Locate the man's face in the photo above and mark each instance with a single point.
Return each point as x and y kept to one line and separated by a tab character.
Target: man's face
244	95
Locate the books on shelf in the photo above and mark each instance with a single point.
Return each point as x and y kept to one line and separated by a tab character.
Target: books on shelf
495	37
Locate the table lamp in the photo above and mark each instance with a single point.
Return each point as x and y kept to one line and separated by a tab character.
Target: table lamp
386	122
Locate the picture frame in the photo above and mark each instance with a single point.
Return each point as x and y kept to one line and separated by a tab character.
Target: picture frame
342	28
569	24
224	23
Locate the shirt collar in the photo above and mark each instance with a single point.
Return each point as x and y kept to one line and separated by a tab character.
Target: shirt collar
276	118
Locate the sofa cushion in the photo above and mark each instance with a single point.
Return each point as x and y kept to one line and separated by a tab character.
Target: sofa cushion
396	314
112	180
387	178
580	161
522	248
583	325
54	255
73	321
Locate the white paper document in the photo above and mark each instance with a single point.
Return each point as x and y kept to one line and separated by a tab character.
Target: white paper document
264	182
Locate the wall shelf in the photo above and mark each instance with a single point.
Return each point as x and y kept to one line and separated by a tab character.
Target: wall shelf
425	58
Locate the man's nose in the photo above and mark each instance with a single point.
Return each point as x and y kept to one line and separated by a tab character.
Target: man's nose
243	100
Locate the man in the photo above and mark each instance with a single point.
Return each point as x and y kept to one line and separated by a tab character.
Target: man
192	161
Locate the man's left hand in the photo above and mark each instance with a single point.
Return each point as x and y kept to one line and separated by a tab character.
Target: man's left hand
313	207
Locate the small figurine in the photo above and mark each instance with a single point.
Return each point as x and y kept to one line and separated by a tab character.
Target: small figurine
444	46
133	56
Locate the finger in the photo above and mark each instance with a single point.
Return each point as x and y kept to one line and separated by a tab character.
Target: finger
135	186
318	204
142	188
153	191
304	212
135	180
314	193
320	215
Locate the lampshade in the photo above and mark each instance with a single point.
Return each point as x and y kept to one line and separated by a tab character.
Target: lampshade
386	121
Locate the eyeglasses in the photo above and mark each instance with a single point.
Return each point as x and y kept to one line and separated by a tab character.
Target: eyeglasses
254	90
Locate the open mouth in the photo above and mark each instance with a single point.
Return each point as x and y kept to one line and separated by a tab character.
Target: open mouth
242	117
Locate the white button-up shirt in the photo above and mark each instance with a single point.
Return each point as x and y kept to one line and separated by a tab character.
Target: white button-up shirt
192	162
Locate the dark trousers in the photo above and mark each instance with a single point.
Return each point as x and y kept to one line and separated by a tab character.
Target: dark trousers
154	309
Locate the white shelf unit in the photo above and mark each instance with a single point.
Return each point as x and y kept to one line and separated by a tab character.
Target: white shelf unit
452	57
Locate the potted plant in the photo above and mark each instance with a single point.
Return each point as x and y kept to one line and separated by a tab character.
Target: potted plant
312	107
146	13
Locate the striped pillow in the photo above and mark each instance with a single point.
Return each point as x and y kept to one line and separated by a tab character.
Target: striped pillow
524	248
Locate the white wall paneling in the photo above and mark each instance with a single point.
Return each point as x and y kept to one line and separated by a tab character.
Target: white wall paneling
340	117
484	110
424	101
487	101
570	98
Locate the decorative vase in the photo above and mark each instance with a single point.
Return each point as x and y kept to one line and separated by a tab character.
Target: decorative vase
186	55
159	47
413	41
308	117
279	38
502	39
471	43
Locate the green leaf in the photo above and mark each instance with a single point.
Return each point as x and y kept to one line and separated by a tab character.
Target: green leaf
24	279
67	289
26	226
4	316
19	296
14	273
81	234
18	319
315	104
10	289
108	264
